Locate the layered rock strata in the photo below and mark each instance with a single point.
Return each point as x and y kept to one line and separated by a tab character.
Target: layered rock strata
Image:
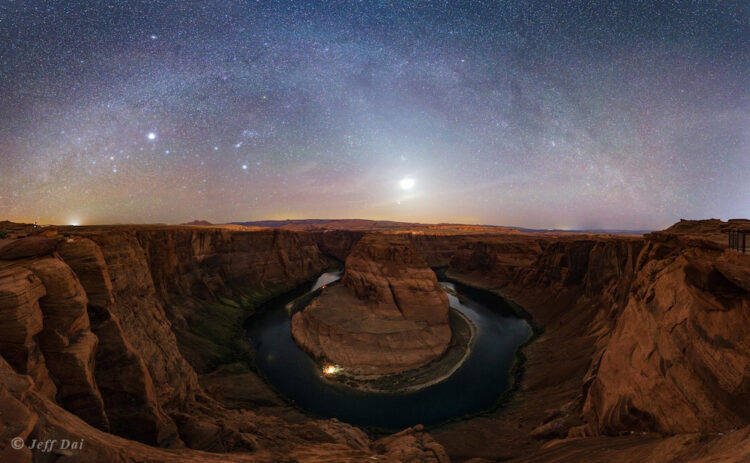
643	352
641	336
92	354
388	315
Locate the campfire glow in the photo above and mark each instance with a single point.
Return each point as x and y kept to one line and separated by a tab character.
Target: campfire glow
330	370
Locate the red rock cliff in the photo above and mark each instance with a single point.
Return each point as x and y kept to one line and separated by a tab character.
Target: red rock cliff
643	355
640	335
86	336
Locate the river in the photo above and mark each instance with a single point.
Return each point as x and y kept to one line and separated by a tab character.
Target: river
475	386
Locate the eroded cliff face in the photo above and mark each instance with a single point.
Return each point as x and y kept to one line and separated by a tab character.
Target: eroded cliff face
93	352
209	262
388	315
211	279
640	335
681	339
337	243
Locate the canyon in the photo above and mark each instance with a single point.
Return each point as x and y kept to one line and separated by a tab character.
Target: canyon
132	339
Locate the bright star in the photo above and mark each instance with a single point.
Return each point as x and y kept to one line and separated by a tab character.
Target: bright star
244	166
151	136
406	183
153	37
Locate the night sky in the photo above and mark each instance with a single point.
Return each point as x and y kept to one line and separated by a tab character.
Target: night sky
540	114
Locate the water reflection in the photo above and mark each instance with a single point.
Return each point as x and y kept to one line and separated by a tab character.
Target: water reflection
475	386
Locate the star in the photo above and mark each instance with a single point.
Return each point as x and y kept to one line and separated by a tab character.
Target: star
513	121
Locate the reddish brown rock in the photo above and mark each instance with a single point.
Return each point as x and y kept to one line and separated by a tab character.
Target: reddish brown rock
87	260
209	262
18	423
640	335
388	315
68	344
21	322
143	378
32	416
142	318
386	272
412	445
337	243
125	384
31	246
682	342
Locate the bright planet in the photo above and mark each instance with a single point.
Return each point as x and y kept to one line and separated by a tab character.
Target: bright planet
406	183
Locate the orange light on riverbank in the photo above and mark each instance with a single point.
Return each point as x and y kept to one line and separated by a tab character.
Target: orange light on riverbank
330	370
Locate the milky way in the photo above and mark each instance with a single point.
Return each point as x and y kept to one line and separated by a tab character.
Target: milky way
540	114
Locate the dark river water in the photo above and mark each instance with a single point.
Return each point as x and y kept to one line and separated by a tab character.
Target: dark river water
475	386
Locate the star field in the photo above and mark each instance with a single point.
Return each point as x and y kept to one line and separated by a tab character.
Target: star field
539	114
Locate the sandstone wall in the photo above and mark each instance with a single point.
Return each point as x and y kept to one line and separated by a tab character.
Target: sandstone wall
388	315
89	329
651	329
639	335
205	262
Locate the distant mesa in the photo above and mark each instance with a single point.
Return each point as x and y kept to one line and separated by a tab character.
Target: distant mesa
198	223
331	224
389	225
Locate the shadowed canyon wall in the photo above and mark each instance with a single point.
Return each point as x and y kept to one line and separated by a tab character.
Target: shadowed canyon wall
640	335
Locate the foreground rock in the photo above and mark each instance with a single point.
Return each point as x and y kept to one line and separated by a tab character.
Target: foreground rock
387	316
643	337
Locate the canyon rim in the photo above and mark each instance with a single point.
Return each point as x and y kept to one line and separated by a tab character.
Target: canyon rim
131	338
